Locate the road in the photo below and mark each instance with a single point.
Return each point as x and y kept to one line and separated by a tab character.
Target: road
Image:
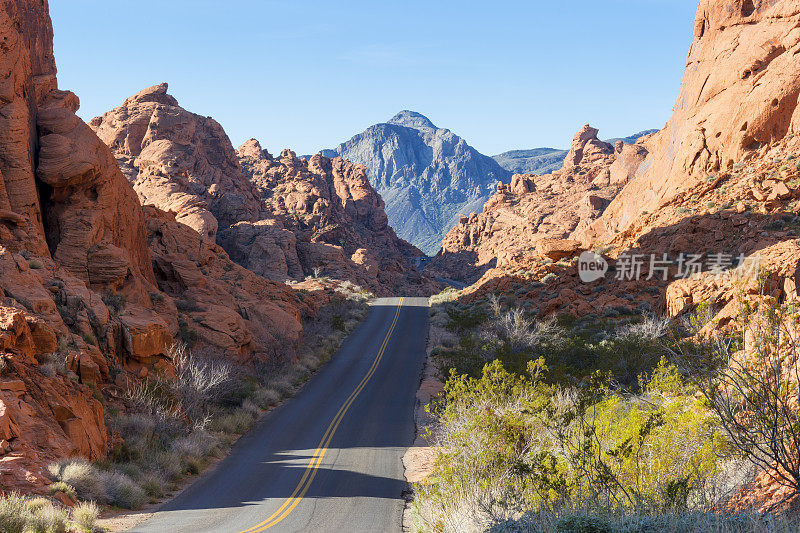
330	458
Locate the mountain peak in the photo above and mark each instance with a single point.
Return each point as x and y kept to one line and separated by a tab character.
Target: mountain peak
411	119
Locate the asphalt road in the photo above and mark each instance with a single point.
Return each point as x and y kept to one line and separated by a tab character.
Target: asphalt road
330	458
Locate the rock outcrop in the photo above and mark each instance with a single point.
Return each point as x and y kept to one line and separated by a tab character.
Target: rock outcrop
427	176
323	214
283	219
548	160
738	95
532	208
179	161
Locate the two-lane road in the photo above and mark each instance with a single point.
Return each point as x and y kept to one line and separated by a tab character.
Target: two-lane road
330	458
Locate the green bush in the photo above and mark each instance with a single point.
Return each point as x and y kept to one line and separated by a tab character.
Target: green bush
60	486
510	443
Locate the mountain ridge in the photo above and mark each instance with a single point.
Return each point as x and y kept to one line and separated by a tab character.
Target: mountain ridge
428	176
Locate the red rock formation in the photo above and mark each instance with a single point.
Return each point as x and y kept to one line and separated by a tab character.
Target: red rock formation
52	161
80	308
532	208
178	161
226	305
337	220
721	178
294	219
739	93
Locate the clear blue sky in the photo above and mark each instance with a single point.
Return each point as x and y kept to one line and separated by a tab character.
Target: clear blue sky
310	74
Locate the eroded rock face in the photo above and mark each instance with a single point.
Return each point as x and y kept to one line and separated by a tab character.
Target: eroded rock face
337	220
179	161
61	192
534	208
228	307
738	95
81	309
283	218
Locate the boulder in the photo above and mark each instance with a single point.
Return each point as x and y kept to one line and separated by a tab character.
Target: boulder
557	249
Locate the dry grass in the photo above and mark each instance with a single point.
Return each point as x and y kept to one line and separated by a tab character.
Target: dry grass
21	514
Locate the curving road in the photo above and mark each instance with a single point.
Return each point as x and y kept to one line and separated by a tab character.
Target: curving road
330	458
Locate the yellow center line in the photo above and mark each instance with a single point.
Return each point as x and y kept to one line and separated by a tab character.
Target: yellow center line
311	470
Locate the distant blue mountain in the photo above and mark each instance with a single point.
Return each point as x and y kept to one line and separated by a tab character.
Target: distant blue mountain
427	176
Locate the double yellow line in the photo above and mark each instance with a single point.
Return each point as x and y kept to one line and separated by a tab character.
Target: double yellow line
311	470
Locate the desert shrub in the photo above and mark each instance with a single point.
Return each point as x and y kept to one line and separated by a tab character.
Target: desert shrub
188	305
582	523
46	518
447	295
750	378
590	520
510	443
85	516
84	477
12	513
92	483
115	302
198	382
236	422
337	323
549	278
463	318
122	491
60	486
572	349
188	335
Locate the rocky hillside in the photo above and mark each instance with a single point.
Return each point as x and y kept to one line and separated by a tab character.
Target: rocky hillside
94	288
336	217
427	176
737	101
283	219
548	160
532	208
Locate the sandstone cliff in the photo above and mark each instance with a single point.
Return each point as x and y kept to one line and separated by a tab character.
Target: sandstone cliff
92	291
738	95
